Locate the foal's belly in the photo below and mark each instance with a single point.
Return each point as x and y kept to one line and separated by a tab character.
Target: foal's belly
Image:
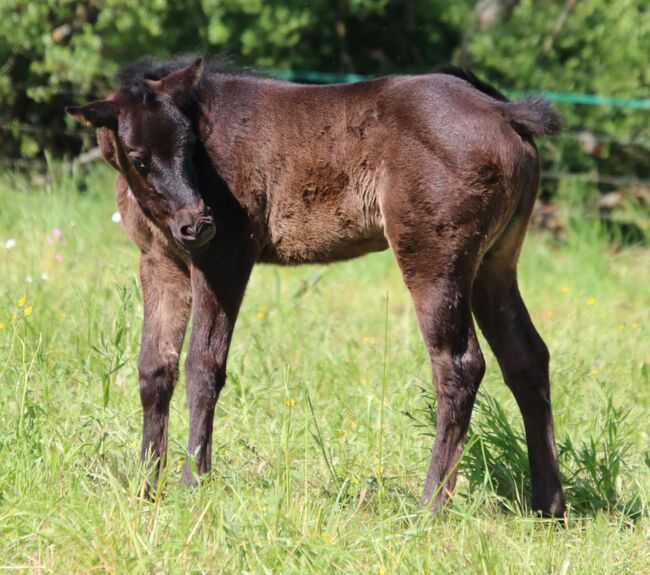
321	248
326	228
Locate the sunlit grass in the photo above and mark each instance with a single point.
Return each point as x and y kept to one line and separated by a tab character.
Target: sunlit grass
312	473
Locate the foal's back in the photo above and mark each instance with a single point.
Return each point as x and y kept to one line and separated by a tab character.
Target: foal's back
332	158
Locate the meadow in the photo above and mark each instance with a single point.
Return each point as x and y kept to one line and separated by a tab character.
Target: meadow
323	432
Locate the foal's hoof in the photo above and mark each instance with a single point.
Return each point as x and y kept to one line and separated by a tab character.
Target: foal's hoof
435	500
149	492
555	508
188	478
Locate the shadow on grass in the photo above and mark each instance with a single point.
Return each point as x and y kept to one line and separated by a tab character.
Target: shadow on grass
596	473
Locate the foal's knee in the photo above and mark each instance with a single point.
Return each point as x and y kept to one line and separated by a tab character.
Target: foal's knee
158	375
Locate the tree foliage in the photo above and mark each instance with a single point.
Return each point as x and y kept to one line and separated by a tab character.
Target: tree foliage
589	46
59	52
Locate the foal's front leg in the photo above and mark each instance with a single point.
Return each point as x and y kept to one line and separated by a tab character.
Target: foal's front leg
167	298
218	284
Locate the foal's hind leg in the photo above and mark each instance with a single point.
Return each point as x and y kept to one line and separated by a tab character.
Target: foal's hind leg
523	358
458	366
167	301
438	271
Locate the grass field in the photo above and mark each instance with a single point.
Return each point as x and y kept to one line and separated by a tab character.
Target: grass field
327	488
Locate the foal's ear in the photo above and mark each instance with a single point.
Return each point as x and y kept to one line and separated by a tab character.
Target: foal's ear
99	114
180	83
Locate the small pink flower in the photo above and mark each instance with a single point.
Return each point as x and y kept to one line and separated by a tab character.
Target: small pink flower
58	258
57	233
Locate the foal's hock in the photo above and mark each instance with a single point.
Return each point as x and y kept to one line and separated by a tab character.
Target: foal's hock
218	170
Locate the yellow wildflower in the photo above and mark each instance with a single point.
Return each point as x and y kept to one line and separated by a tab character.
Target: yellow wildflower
259	315
591	301
22	300
366	339
28	310
2	326
595	371
565	289
290	401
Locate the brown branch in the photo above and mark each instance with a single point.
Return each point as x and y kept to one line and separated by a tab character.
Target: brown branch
559	24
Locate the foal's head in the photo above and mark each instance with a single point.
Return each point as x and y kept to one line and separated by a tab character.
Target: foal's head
145	132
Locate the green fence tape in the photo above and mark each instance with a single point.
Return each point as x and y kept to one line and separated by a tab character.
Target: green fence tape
588	99
561	97
318	77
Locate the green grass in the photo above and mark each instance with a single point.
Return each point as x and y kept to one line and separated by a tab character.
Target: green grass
312	472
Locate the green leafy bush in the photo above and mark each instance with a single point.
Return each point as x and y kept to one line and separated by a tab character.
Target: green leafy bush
59	52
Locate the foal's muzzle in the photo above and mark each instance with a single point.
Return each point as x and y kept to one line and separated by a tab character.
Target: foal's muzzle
192	230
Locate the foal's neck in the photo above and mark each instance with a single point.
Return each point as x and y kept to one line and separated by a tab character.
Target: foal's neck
230	131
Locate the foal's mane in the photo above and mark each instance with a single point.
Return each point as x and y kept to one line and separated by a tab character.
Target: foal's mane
469	76
131	77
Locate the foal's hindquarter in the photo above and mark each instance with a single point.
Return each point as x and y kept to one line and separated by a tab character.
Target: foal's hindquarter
426	165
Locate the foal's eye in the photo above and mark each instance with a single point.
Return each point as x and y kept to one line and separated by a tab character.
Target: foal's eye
140	163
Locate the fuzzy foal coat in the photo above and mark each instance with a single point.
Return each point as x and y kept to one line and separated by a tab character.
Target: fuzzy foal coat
439	167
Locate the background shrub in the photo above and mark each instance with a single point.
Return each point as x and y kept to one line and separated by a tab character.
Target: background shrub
59	52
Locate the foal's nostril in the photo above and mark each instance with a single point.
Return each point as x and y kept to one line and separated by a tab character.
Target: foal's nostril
187	231
192	229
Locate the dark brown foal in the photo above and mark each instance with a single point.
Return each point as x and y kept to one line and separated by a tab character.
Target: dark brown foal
219	171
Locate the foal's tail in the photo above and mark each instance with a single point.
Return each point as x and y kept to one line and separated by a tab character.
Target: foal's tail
533	115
